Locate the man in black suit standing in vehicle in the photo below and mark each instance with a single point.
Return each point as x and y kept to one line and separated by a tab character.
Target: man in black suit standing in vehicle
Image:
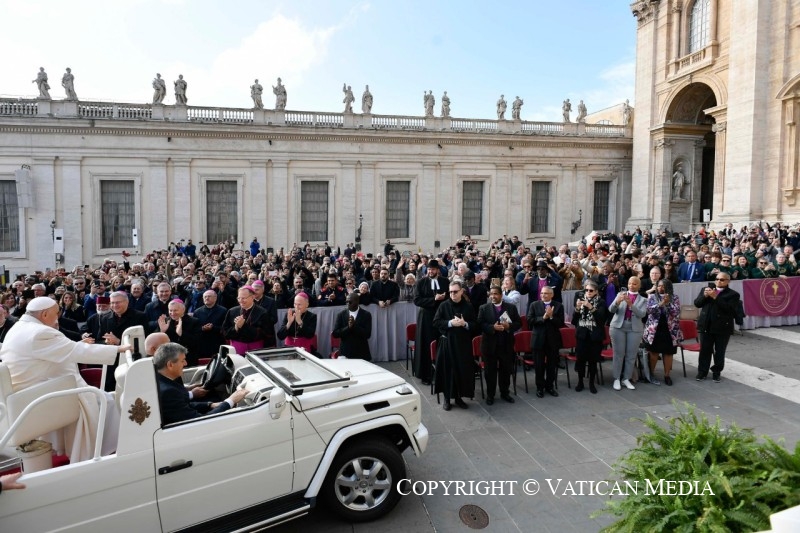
354	326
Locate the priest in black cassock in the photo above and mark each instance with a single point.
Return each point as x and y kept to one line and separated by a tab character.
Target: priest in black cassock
455	367
429	293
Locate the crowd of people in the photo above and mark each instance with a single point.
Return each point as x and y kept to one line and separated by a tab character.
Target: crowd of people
204	295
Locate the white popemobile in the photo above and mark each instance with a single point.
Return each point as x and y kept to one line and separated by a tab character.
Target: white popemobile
307	429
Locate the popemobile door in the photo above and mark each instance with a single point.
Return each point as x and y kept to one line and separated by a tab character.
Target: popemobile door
213	466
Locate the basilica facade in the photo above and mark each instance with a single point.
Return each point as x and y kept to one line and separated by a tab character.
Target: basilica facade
99	178
717	105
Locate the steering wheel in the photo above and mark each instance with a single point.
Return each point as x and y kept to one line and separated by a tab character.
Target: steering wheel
219	371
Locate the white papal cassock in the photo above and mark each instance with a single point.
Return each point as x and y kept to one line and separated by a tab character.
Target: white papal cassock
35	353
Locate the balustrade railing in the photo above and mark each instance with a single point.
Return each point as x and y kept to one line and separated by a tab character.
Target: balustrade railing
312	119
10	107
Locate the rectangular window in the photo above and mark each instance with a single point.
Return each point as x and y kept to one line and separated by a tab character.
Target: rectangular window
601	192
314	211
117	212
397	209
540	206
222	211
9	217
472	208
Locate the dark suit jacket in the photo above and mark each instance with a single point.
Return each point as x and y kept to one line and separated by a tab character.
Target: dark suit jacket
175	404
189	338
210	340
532	287
355	340
717	316
478	295
493	341
255	328
544	333
271	307
153	311
699	273
380	291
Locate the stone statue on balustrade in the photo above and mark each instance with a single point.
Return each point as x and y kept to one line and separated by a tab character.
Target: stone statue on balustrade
581	112
566	109
280	95
429	102
41	83
255	93
445	105
68	82
348	98
501	108
627	111
679	180
180	90
366	101
159	89
516	108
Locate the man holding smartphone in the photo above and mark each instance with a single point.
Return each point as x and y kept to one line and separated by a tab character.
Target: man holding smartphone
718	305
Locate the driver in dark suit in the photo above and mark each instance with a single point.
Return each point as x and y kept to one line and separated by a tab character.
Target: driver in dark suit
176	404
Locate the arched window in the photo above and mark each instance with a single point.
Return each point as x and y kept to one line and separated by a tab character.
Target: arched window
698	25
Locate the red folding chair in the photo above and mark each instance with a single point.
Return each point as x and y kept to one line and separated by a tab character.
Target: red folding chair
479	363
689	330
434	345
524	356
606	354
568	344
335	343
524	320
411	337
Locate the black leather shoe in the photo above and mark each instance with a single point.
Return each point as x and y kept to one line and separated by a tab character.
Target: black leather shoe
507	398
461	403
540	393
426	382
579	386
447	406
553	393
489	401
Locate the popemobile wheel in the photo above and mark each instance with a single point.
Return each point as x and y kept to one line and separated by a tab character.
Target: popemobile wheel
362	481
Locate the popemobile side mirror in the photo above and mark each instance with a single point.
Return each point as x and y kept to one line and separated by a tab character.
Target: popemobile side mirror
277	402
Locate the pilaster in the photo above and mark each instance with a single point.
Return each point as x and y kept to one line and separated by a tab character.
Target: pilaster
69	213
154	212
254	203
40	237
344	203
179	198
284	229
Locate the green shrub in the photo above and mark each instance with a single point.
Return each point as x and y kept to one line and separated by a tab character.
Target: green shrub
750	479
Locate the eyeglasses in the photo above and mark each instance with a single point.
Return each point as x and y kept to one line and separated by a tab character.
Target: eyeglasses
455	292
721	279
762	263
590	290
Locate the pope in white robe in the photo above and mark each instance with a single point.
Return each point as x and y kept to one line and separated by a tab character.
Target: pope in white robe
35	351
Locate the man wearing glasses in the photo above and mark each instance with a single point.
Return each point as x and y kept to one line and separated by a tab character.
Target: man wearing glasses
718	306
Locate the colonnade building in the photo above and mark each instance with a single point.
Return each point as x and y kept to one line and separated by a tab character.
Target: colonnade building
104	171
717	105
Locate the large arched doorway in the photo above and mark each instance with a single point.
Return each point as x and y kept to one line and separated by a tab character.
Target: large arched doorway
688	162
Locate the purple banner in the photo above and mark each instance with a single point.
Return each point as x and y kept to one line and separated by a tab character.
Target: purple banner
772	296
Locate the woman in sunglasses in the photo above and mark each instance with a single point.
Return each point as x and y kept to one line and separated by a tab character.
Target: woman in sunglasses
589	317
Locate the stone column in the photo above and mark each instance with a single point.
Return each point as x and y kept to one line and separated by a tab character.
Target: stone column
581	201
662	182
720	129
254	203
40	234
504	204
676	32
282	228
70	215
180	199
154	232
792	165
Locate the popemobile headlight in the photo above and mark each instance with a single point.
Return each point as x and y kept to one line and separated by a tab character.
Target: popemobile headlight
404	390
